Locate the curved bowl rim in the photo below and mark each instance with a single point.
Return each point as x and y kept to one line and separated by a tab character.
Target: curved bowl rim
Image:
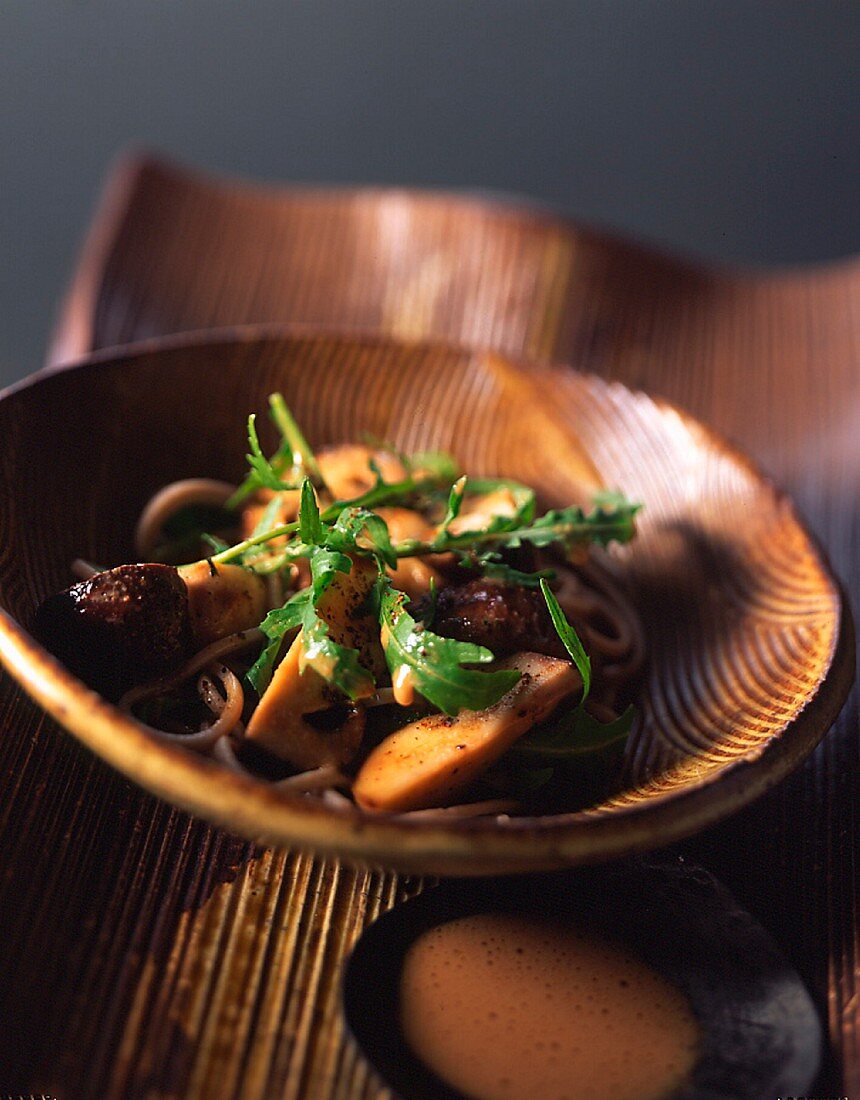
249	808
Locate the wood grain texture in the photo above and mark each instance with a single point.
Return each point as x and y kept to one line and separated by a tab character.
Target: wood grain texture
98	876
400	262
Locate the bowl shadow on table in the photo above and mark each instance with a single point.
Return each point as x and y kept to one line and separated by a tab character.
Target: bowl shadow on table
701	603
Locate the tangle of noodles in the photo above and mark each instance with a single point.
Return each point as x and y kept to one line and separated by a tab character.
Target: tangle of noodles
274	590
230	714
589	593
168	501
314	780
217	651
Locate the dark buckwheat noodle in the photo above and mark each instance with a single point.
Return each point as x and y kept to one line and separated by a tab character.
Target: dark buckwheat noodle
172	499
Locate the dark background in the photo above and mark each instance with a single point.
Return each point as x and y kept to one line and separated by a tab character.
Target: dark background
725	130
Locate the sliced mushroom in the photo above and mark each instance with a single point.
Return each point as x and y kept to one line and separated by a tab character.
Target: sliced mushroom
300	717
302	721
346	469
120	627
427	762
413	576
222	599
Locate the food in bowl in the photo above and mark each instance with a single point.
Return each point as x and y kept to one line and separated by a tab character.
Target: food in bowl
368	627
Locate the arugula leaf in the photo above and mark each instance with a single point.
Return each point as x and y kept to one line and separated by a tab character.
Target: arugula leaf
311	530
359	529
455	502
275	626
340	665
278	464
434	663
570	639
574	736
611	520
524	509
265	473
386	492
337	664
268	516
324	564
303	457
491	564
292	456
432	600
213	542
572	526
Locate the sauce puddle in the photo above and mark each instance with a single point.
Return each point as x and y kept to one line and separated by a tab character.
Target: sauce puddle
511	1007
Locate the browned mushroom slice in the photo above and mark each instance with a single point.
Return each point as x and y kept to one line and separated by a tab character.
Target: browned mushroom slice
222	599
431	760
300	720
347	472
413	576
294	717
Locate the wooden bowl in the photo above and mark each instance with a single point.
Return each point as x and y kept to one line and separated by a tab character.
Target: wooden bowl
751	643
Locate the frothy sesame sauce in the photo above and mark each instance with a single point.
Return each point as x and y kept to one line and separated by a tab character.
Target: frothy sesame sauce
512	1007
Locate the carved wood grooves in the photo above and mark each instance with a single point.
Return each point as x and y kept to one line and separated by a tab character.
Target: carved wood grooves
147	954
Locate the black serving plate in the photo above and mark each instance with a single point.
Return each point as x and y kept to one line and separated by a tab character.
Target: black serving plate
761	1037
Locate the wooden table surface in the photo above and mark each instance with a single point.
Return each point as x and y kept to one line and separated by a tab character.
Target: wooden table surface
147	954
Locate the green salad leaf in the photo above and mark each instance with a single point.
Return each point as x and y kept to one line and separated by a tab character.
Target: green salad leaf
311	530
293	457
324	564
338	664
265	473
276	625
358	530
455	502
436	664
302	456
572	736
570	639
567	527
